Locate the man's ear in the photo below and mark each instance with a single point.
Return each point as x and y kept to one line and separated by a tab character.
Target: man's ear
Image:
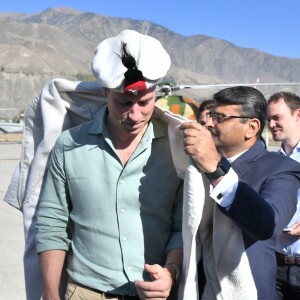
297	112
253	127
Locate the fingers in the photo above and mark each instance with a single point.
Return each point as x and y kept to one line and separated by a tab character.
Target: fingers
150	290
296	225
295	229
190	125
152	268
159	288
193	129
194	140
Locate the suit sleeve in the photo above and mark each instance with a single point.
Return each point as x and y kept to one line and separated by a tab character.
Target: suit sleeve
264	209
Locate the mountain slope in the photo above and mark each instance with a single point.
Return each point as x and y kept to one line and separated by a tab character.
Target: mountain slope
59	42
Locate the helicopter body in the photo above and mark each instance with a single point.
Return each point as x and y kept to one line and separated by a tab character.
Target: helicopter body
180	105
188	107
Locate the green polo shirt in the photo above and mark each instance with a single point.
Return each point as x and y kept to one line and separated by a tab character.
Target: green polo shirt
122	216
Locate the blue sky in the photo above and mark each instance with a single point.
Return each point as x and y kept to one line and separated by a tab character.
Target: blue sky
267	25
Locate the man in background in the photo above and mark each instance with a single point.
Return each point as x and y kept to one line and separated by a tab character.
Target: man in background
284	124
203	109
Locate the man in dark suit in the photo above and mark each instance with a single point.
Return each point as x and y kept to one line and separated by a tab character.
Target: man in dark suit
253	192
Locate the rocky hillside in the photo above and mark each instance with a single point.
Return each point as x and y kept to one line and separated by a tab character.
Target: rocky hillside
59	42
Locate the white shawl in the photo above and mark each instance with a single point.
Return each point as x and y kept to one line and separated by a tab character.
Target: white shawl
209	234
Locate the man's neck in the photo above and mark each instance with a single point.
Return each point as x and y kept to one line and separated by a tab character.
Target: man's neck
234	151
125	144
122	140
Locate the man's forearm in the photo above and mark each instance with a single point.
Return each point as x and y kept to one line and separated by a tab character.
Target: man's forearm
51	263
175	256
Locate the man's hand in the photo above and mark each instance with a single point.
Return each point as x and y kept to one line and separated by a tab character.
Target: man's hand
295	230
159	288
198	144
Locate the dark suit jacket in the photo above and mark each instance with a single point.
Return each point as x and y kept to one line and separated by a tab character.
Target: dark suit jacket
265	202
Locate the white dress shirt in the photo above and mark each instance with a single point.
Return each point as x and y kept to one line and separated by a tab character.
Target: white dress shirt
227	186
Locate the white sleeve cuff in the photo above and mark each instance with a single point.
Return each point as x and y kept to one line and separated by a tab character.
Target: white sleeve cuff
224	192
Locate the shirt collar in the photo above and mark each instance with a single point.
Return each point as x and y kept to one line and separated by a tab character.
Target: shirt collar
233	158
295	150
98	123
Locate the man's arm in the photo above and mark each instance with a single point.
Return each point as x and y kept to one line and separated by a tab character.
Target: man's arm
163	277
52	240
260	214
51	263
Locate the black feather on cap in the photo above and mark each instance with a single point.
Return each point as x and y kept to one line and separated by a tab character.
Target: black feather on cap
132	74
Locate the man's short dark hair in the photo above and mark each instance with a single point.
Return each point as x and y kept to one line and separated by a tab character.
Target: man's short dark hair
290	99
206	104
251	100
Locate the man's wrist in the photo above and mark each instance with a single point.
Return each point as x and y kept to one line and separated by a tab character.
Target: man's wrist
175	272
222	169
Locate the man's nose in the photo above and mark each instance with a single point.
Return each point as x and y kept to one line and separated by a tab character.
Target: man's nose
135	112
209	122
271	123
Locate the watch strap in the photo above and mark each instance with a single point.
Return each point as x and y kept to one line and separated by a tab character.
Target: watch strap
222	169
176	268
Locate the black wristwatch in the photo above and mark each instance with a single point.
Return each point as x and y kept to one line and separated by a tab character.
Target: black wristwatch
177	270
222	169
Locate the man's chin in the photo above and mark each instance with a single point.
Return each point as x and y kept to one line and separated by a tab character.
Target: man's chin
276	137
133	130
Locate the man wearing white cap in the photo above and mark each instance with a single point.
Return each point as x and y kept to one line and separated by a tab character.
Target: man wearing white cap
112	201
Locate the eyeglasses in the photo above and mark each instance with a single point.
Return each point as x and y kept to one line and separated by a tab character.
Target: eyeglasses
220	118
201	123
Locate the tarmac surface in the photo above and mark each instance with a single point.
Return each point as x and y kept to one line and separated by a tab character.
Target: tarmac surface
12	285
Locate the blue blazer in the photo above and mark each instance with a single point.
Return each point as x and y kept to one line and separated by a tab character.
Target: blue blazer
265	202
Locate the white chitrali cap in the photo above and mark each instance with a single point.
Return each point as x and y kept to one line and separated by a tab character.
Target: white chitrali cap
130	62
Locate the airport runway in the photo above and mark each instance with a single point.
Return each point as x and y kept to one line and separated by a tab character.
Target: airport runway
12	284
